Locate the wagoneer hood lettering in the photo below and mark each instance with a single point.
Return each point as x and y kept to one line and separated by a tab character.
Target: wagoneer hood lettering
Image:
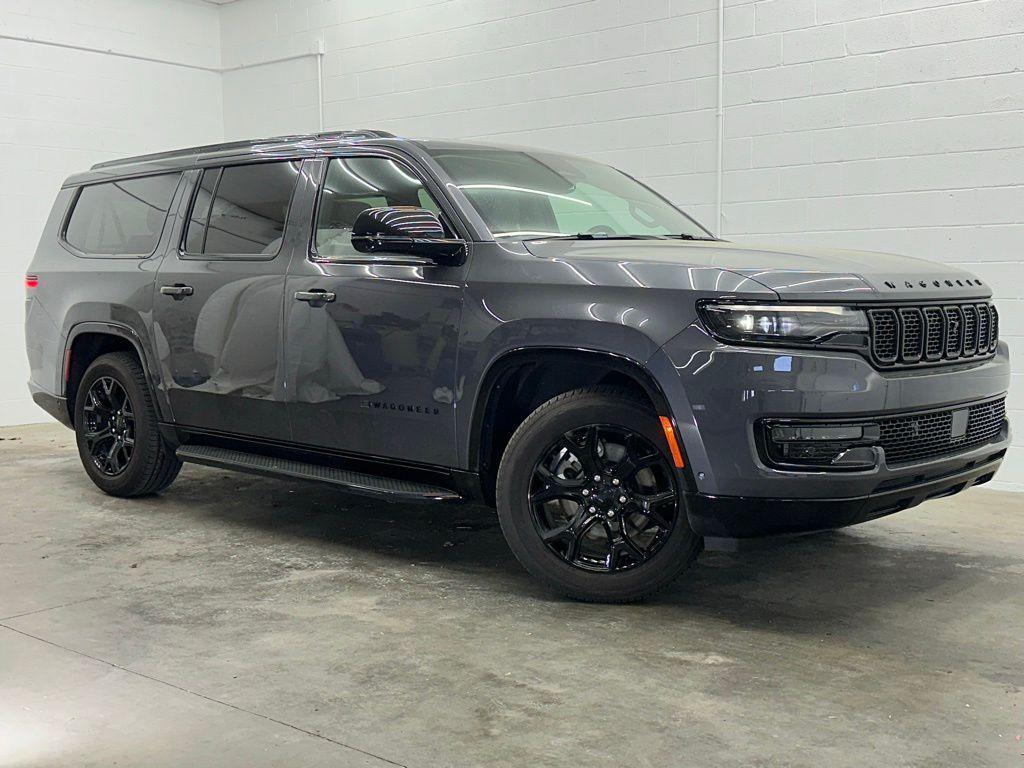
793	273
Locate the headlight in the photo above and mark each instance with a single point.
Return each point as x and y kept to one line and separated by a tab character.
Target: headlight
782	322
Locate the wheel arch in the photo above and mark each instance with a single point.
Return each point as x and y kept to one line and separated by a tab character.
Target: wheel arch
89	340
526	377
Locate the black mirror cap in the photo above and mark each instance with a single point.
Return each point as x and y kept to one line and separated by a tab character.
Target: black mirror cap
398	221
407	230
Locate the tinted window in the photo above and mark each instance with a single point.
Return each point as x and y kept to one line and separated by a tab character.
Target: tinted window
121	217
201	211
528	194
247	215
354	184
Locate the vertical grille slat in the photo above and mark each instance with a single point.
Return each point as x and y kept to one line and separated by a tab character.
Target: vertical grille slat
983	324
954	333
929	334
935	333
884	335
912	335
970	330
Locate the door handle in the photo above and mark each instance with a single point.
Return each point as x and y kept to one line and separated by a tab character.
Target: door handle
316	297
176	291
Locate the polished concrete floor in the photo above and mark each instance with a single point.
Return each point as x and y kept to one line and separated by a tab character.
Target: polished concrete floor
243	621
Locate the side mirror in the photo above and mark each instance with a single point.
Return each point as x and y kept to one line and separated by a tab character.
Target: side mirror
408	230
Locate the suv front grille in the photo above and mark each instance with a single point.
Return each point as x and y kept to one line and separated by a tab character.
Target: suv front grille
902	336
917	437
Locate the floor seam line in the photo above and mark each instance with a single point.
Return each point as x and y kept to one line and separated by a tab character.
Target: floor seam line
201	695
52	608
125	593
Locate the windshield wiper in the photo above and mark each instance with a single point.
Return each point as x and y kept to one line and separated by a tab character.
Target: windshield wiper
685	236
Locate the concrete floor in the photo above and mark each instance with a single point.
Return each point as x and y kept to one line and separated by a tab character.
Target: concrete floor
243	621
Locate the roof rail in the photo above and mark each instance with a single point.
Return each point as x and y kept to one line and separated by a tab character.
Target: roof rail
367	133
359	135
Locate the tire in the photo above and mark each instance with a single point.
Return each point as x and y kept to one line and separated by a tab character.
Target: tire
562	427
145	463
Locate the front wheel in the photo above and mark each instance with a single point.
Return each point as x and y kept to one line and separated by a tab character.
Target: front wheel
589	500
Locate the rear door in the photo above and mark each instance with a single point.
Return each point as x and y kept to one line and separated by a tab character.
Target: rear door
372	371
218	304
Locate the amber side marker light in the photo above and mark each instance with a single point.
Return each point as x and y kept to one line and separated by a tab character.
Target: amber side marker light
673	444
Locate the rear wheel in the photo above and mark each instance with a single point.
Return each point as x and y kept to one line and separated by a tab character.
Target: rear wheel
117	429
589	501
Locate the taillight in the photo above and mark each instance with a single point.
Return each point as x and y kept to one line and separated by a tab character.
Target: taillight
31	282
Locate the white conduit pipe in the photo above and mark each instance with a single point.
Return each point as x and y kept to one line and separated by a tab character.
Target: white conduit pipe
320	80
720	115
319	53
108	52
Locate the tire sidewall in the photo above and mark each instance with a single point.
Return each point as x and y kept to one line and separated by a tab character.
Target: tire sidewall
145	425
515	474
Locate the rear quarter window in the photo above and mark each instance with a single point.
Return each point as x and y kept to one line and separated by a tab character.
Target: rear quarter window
121	218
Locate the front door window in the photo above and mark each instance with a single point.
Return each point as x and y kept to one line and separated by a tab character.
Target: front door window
353	185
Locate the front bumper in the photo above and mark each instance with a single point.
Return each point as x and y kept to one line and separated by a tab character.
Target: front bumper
719	394
738	517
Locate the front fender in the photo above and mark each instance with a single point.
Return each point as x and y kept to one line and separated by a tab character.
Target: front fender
621	348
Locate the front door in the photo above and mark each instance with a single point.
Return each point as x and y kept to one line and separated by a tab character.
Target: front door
372	370
218	309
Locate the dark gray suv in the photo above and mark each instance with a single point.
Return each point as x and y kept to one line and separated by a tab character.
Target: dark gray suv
439	320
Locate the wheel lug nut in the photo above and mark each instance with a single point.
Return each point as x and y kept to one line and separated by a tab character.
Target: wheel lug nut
597	478
591	510
622	499
615	481
586	491
610	513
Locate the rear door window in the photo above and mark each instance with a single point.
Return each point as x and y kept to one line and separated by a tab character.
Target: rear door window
241	210
121	218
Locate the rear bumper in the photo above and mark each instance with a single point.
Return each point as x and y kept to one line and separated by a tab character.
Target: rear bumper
52	404
738	517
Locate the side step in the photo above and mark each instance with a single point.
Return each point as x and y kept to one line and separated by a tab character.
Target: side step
357	482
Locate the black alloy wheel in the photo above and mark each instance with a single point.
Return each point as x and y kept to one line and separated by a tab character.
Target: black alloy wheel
603	498
109	429
589	498
117	429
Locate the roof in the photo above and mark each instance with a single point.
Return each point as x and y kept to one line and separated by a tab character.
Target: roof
275	147
279	141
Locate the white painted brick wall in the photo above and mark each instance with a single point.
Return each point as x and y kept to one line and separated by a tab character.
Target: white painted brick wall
892	125
63	110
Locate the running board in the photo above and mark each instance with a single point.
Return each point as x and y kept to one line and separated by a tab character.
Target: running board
357	482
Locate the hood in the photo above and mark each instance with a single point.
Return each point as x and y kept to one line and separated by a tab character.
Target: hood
792	273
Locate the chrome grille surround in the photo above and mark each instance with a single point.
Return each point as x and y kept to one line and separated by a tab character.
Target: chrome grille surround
931	334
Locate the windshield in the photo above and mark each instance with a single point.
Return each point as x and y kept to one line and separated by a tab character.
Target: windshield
525	194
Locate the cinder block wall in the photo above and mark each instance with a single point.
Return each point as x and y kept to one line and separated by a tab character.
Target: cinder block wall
891	125
63	110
